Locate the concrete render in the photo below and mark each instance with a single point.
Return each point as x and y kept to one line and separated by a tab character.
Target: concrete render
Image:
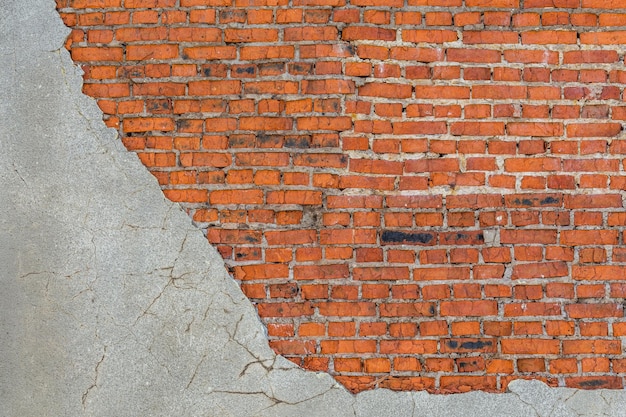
114	304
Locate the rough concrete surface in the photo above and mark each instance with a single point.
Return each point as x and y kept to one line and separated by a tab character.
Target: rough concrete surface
114	304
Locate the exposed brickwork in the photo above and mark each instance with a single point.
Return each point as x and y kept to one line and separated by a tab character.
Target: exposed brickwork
419	194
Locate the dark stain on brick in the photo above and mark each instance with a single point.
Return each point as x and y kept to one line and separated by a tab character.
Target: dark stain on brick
252	239
214	70
182	124
244	70
274	67
254	253
466	363
332	107
479	344
549	200
300	68
269	141
297	141
390	236
592	383
469	344
238	141
131	72
462	238
233	15
158	106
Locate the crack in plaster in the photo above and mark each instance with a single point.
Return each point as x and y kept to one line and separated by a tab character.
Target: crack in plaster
531	405
95	379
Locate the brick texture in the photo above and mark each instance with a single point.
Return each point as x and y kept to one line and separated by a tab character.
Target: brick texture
419	194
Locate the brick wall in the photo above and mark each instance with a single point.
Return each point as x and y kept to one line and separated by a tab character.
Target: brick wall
416	194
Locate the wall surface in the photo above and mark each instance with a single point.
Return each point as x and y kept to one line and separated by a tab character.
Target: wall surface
114	304
415	195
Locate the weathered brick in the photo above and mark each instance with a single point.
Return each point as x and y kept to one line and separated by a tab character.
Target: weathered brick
393	165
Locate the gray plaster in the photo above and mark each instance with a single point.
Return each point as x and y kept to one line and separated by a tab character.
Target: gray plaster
114	304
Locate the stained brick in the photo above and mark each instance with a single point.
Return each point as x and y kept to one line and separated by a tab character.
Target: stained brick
393	165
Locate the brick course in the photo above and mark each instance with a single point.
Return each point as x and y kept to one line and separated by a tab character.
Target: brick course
419	194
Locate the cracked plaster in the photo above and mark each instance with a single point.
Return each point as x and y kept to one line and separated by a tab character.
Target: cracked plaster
114	304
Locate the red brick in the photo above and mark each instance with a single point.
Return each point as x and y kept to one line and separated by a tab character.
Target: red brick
591	346
577	130
499	92
469	308
492	3
541	270
408	346
373	197
598	272
530	346
589	237
353	33
430	36
531	56
603	38
535	129
531	4
386	90
407	309
528	236
346	310
545	37
600	382
469	55
467	383
490	37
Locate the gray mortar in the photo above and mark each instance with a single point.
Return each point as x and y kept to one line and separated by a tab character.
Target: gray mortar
113	304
